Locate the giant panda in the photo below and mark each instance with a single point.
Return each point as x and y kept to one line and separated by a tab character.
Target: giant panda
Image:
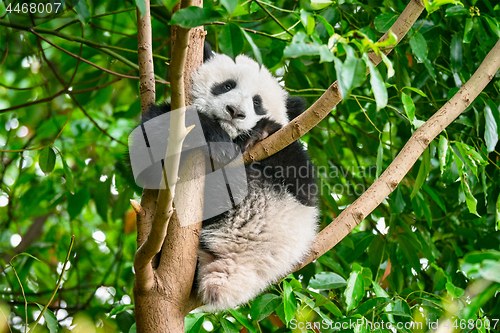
260	240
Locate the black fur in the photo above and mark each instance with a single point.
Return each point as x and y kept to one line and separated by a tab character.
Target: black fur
257	105
207	52
289	167
295	106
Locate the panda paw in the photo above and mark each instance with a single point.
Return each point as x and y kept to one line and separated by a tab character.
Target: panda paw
212	288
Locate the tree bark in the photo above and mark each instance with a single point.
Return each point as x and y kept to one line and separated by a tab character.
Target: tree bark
166	258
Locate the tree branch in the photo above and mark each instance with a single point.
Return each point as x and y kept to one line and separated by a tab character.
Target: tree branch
144	279
330	98
389	180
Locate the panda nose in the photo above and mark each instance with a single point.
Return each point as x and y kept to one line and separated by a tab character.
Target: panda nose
235	112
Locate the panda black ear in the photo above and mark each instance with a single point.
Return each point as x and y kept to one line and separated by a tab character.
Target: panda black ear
207	52
295	106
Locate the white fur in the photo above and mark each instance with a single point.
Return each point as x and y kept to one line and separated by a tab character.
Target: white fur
257	245
251	79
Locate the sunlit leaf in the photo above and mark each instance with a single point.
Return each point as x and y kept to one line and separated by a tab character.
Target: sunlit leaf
326	281
409	106
491	129
355	290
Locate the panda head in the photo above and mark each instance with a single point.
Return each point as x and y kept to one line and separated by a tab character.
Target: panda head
237	93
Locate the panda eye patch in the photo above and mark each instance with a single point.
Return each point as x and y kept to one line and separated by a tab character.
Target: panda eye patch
257	105
224	87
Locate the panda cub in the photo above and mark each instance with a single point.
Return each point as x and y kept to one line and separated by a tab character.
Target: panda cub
261	239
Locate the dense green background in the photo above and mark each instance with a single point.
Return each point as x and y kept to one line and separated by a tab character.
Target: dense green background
412	259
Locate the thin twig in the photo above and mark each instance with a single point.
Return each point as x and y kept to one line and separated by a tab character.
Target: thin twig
273	17
58	283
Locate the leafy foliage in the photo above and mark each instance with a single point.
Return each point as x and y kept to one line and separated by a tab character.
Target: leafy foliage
433	246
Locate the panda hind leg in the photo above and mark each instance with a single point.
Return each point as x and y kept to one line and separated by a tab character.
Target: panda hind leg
225	284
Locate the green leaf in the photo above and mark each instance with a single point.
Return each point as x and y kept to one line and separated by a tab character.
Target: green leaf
456	11
264	305
388	64
193	322
432	6
228	327
423	172
494	26
230	5
339	68
255	49
456	53
289	302
469	198
307	21
77	201
324	302
133	329
194	16
430	69
418	46
380	158
320	4
442	153
355	290
384	21
490	130
243	320
70	184
435	197
378	86
471	157
82	11
352	71
468	31
327	25
50	319
418	91
47	159
120	308
299	48
142	6
327	281
453	290
399	202
409	106
374	304
231	40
